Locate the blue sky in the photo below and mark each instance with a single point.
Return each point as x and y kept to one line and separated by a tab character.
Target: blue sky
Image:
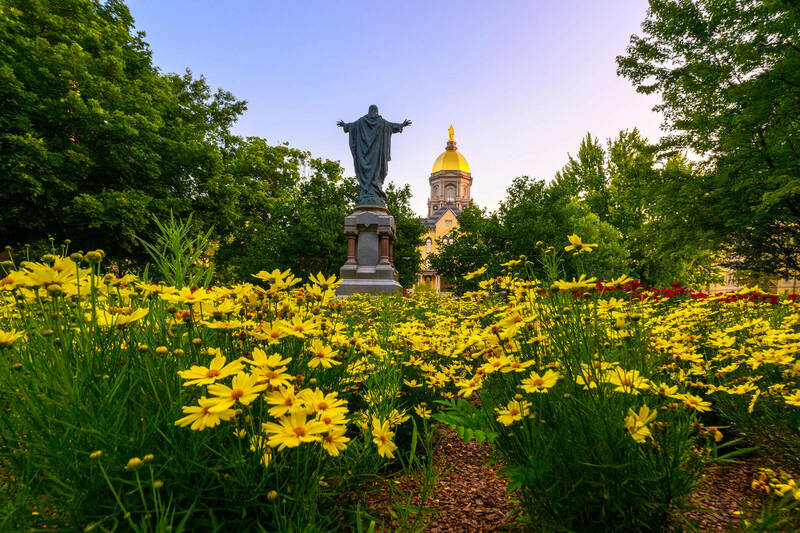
521	81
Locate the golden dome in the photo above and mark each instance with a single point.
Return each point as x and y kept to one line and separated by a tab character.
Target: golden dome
450	159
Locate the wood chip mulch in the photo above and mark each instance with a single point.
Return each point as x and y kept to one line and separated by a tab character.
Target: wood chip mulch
469	496
723	491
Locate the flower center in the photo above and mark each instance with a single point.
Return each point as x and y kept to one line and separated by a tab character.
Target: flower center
513	411
212	373
300	431
237	393
322	406
538	382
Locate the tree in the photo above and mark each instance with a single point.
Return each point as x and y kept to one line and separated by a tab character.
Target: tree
93	138
292	210
409	231
471	247
728	72
533	214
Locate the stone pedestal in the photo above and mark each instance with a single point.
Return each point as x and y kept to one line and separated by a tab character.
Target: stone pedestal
369	268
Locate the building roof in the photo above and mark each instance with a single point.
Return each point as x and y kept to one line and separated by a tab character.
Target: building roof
439	213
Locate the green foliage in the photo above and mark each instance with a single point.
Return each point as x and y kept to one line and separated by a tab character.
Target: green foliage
410	229
569	460
93	138
178	256
533	212
639	209
728	74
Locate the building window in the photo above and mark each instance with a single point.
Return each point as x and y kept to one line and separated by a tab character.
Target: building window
427	264
447	239
435	191
450	193
428	245
448	223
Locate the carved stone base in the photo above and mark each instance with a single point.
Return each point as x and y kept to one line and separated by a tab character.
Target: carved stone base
370	267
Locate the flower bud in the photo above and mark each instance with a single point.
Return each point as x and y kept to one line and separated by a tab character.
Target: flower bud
94	257
133	463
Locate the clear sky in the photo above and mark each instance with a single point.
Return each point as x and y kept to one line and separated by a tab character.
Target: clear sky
521	81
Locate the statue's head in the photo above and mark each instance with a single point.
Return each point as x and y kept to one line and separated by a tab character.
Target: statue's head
373	110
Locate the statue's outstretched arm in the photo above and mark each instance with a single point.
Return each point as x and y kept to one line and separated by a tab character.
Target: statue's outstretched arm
398	127
344	125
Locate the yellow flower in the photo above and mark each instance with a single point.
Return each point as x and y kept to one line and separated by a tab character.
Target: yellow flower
188	296
118	317
317	401
321	355
629	381
323	282
7	338
476	273
577	246
422	411
332	419
243	389
537	383
383	438
300	328
514	411
581	283
201	417
636	423
272	334
334	441
467	387
217	369
274	377
285	401
793	398
260	359
293	430
695	402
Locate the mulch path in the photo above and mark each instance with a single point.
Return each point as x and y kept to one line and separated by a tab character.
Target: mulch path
722	491
471	496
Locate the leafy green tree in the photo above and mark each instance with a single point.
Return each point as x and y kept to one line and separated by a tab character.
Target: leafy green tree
728	73
93	138
533	216
586	176
409	231
292	212
472	247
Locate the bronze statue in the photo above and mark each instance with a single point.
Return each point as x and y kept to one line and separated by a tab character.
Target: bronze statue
370	144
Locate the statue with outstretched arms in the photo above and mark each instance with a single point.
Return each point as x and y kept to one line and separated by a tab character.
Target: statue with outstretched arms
370	144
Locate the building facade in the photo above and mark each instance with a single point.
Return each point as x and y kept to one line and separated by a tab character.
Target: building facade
450	184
